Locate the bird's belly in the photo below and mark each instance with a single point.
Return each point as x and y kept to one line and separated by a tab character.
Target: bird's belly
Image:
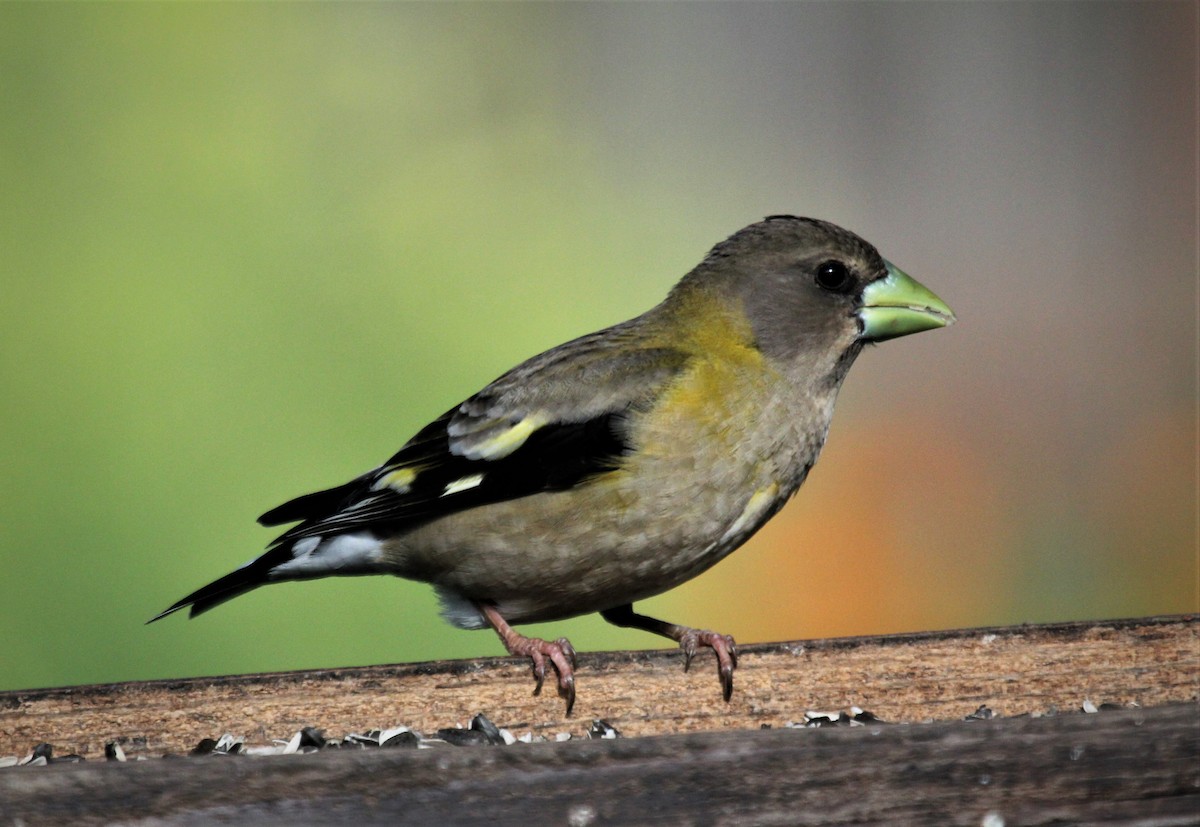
662	518
568	553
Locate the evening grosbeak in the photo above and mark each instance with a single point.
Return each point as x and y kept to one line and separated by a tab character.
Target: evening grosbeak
620	464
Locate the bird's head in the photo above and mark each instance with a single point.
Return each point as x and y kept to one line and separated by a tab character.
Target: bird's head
813	293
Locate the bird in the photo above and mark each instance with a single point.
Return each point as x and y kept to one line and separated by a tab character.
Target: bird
620	464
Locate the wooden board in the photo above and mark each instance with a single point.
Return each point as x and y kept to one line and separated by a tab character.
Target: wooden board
1128	767
699	760
929	676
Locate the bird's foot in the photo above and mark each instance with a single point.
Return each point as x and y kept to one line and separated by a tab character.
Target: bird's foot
724	648
559	653
687	638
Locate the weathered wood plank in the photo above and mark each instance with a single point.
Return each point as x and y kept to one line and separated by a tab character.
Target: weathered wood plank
1124	767
929	676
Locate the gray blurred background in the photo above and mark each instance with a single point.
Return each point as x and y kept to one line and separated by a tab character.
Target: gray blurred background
247	250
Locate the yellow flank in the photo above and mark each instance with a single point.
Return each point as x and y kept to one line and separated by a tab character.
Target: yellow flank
762	499
400	480
507	441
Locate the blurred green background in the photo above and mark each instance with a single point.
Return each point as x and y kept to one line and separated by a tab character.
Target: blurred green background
247	250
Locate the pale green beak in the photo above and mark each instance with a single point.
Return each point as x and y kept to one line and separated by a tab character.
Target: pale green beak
897	305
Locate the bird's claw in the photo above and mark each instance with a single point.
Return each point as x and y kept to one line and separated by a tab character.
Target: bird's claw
723	647
539	670
568	651
561	655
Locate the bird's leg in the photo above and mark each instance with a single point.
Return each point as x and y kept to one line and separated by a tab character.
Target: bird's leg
687	638
560	653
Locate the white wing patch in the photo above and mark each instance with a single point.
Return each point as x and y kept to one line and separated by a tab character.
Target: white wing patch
463	484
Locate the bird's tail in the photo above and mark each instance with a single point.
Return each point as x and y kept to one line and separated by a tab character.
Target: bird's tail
305	558
249	577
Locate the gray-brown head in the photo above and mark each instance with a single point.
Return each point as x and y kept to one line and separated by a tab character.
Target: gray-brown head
808	287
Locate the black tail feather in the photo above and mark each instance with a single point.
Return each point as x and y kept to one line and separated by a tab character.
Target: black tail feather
316	505
249	577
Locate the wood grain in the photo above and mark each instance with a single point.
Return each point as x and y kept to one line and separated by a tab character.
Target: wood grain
900	678
1133	767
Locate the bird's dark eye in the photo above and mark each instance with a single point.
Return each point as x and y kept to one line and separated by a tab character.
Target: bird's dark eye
833	276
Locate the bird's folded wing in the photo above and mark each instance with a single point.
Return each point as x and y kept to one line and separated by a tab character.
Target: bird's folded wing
547	425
